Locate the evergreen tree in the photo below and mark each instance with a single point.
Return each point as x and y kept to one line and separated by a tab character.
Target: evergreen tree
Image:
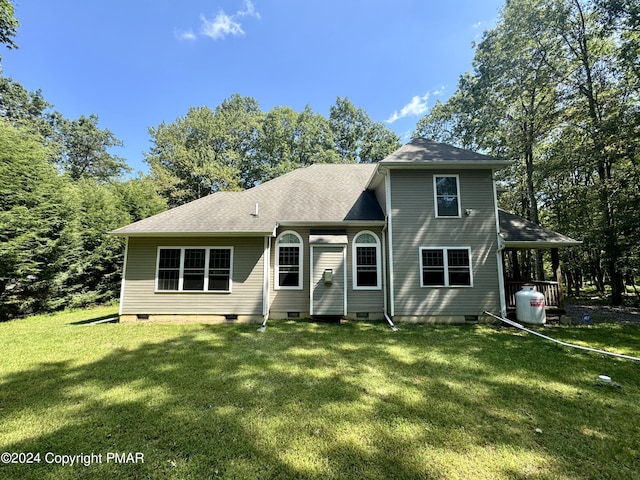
33	215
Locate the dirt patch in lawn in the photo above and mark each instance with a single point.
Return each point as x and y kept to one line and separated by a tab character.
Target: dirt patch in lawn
603	313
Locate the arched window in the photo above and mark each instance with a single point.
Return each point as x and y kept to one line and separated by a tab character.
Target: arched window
366	261
288	271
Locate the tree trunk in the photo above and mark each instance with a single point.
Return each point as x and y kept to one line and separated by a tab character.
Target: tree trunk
533	201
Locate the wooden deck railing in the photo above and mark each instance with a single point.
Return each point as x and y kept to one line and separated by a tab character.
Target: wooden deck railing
551	291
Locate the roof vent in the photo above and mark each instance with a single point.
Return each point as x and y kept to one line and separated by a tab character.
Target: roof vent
257	212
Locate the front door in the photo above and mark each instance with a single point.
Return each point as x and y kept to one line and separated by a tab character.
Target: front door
328	280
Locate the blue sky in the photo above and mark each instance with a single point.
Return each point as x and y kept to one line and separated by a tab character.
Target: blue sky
136	63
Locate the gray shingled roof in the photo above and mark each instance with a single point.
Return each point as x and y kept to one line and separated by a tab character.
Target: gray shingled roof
428	153
518	232
321	193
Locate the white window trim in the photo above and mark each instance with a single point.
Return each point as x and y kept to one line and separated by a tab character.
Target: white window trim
435	195
207	250
354	261
276	270
446	267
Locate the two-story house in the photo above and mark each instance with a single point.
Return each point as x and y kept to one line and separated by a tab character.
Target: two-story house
416	237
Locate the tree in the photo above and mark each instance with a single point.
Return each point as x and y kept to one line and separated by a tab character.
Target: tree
90	270
463	120
207	151
292	140
84	150
313	139
32	217
8	24
187	161
598	98
25	109
139	198
356	137
239	121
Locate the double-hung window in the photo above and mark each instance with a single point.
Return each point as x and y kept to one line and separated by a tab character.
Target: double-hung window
366	261
446	190
194	269
289	261
445	267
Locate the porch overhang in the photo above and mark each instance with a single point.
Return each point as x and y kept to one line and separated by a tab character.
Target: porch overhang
518	233
538	245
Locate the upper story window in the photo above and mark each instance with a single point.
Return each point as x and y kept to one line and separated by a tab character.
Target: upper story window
447	195
366	261
194	269
288	270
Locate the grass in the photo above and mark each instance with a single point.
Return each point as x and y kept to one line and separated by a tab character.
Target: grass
314	400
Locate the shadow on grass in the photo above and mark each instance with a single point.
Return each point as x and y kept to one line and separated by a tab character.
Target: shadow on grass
308	400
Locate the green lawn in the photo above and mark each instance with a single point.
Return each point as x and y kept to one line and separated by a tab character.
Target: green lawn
312	400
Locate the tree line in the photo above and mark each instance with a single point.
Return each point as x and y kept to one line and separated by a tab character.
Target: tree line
237	146
555	86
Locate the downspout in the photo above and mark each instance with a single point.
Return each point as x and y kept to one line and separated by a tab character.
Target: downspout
265	282
384	279
389	226
124	276
500	248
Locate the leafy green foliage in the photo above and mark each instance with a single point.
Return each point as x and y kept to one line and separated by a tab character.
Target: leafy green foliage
93	259
194	156
32	217
356	137
26	109
238	146
8	24
84	150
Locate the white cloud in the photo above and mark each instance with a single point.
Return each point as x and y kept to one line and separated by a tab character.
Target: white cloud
477	25
249	10
188	35
221	26
417	106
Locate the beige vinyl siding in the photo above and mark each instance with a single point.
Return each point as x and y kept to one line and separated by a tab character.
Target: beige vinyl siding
247	275
362	300
415	225
287	300
298	300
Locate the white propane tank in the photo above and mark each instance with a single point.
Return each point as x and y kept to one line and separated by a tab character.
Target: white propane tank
530	305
